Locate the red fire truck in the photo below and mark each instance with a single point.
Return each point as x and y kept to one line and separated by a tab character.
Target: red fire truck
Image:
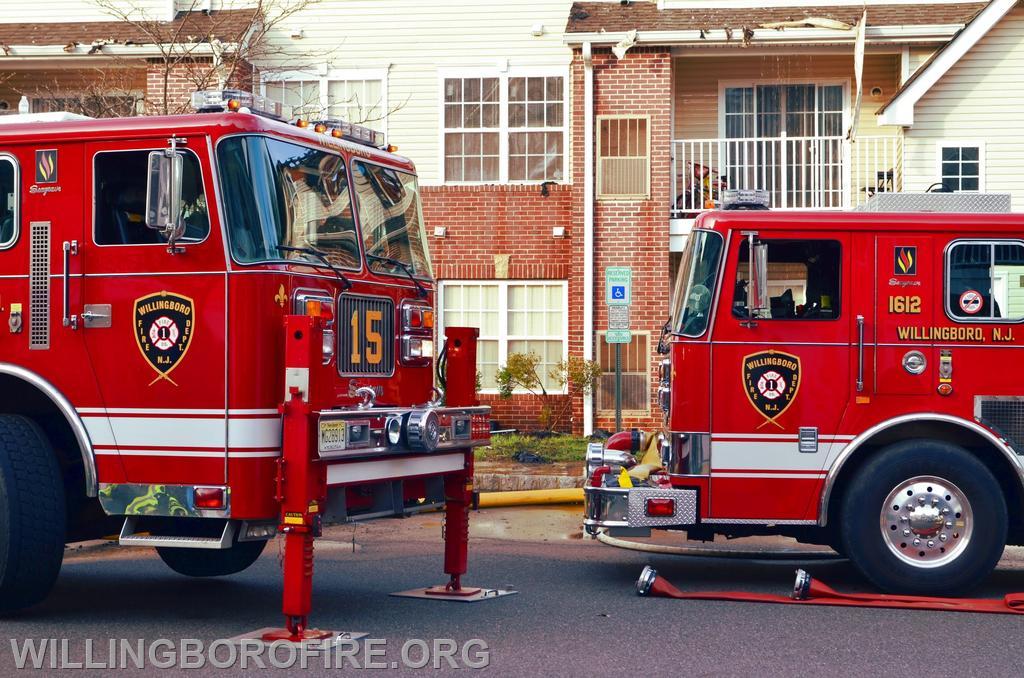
849	379
219	325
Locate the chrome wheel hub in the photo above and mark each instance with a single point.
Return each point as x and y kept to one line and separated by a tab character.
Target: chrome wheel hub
927	521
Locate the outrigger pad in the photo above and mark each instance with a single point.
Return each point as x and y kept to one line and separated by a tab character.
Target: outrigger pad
434	593
323	639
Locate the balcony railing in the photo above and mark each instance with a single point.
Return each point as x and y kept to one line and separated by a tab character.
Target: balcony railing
798	172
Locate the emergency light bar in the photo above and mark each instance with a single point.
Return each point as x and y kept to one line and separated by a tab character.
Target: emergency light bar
351	132
745	199
222	100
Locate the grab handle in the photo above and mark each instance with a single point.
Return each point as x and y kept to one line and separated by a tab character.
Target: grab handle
860	353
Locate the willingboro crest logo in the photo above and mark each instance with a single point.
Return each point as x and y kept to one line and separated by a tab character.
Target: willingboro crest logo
771	380
164	323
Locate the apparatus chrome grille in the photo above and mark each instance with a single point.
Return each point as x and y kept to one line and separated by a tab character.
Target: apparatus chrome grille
366	329
39	285
1005	415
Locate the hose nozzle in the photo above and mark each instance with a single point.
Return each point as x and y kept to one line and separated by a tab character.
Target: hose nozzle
802	586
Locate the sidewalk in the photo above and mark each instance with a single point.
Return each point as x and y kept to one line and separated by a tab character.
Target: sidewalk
506	476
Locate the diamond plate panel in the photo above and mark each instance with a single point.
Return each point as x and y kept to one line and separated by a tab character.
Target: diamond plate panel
686	507
990	203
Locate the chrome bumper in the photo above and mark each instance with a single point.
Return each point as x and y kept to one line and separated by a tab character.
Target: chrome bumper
622	507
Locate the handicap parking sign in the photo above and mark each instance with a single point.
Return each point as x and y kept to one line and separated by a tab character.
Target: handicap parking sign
617	283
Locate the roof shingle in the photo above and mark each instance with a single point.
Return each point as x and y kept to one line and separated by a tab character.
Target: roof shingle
612	17
226	25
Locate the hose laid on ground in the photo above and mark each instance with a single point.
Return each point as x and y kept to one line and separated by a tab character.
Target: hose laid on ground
809	591
568	495
707	552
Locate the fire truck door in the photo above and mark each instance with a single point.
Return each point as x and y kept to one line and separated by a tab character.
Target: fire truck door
154	321
781	380
899	315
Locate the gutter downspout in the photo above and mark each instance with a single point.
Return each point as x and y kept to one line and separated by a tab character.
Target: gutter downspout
588	227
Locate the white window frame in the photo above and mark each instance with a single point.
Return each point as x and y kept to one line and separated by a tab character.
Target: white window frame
961	143
502	336
503	127
326	75
726	84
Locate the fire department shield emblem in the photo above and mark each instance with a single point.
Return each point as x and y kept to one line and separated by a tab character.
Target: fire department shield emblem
771	380
164	324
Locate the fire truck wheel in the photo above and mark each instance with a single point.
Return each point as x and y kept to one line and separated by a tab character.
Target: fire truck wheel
924	517
212	563
32	514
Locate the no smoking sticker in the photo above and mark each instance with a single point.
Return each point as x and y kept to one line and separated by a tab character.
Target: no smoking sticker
970	302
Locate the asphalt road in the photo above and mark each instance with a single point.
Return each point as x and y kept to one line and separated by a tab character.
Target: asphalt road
576	613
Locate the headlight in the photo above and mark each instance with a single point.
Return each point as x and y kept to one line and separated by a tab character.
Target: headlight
393	426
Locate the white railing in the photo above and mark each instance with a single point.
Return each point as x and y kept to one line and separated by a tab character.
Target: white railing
797	172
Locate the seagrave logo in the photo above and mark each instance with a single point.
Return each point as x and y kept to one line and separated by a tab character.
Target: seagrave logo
164	323
46	166
905	261
771	380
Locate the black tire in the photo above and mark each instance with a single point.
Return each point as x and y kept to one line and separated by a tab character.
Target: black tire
951	572
212	563
33	522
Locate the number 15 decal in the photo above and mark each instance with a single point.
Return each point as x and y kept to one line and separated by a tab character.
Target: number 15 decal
374	344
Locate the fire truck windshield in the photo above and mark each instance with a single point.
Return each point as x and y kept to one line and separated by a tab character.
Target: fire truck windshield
695	283
392	220
282	198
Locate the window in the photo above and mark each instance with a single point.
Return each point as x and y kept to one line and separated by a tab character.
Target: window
119	182
504	128
513	317
392	220
798	110
282	194
636	375
93	105
803	280
8	201
472	135
960	166
357	96
623	157
985	281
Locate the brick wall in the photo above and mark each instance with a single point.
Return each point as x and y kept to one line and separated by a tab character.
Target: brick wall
169	87
512	223
635	232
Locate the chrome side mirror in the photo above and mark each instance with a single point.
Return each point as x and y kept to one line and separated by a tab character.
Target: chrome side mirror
757	287
163	195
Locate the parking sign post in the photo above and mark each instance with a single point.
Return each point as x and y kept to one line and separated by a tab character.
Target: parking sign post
618	284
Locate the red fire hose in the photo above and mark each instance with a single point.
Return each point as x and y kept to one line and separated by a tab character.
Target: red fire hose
807	591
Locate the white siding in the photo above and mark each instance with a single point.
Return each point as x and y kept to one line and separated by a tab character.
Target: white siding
981	98
412	40
67	11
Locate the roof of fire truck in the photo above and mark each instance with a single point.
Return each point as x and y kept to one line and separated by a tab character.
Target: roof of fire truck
215	124
755	220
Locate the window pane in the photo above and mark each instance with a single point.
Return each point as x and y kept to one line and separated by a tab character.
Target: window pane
8	202
391	218
120	200
969	153
803	280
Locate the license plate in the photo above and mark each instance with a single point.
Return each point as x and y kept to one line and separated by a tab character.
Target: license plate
332	436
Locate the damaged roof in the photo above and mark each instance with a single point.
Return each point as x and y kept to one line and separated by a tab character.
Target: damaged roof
226	26
598	17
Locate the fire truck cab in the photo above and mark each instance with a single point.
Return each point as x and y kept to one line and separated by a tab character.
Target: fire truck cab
149	269
849	379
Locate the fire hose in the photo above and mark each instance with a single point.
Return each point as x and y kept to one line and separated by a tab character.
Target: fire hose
808	591
742	554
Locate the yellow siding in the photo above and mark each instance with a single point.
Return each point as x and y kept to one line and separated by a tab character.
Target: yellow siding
981	98
697	85
414	39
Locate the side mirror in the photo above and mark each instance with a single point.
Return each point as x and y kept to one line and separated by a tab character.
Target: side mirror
757	288
163	195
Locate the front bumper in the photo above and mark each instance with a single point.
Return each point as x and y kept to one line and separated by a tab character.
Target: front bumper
626	507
